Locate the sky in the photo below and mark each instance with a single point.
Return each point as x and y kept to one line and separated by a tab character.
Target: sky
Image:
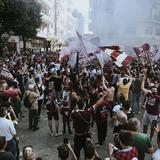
83	7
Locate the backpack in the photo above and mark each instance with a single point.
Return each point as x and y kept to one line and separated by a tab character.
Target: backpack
27	102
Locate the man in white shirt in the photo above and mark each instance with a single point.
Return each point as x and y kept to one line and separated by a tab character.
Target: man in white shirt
8	131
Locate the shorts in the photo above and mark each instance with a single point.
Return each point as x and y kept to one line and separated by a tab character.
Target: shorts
148	118
55	115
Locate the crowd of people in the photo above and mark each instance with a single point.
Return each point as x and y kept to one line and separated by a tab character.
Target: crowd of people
81	97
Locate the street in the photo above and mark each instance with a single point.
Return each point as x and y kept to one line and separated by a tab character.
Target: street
46	146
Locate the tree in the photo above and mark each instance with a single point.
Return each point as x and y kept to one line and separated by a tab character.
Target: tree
30	20
21	17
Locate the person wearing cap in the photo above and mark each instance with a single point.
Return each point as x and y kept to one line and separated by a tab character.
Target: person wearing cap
33	110
152	108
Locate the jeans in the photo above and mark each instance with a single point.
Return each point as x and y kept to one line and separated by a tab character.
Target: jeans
12	147
102	131
66	121
33	119
136	101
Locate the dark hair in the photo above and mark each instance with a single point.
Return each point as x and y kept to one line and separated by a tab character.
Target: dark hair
125	137
126	105
2	142
89	150
80	104
2	111
121	98
37	79
63	152
11	84
58	72
125	81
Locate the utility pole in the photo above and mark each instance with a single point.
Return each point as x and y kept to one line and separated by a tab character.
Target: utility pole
55	17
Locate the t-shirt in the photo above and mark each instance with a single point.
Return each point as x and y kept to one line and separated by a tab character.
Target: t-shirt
124	89
117	108
156	155
101	114
11	93
142	143
126	154
152	104
7	128
82	120
6	156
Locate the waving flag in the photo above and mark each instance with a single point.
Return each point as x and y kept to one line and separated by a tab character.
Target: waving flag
142	50
6	74
120	58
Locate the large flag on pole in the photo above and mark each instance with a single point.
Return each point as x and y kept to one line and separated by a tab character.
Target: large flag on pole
142	50
120	58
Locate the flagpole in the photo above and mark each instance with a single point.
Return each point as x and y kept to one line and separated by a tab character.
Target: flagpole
150	62
77	63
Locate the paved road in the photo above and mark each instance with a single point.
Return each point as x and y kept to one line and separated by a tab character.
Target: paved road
46	146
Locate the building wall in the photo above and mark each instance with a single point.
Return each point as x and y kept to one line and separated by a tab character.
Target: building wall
47	27
125	22
67	21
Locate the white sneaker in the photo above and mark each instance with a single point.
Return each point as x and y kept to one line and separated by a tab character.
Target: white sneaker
58	134
51	134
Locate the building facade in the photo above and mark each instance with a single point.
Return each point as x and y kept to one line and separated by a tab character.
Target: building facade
125	22
46	31
60	21
68	20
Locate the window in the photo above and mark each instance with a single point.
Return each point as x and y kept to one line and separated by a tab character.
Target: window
148	30
157	32
157	14
130	30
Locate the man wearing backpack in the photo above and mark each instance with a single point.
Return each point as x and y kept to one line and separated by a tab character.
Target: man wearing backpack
33	94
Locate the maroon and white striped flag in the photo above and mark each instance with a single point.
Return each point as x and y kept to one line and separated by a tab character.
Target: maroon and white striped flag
120	58
142	50
6	74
